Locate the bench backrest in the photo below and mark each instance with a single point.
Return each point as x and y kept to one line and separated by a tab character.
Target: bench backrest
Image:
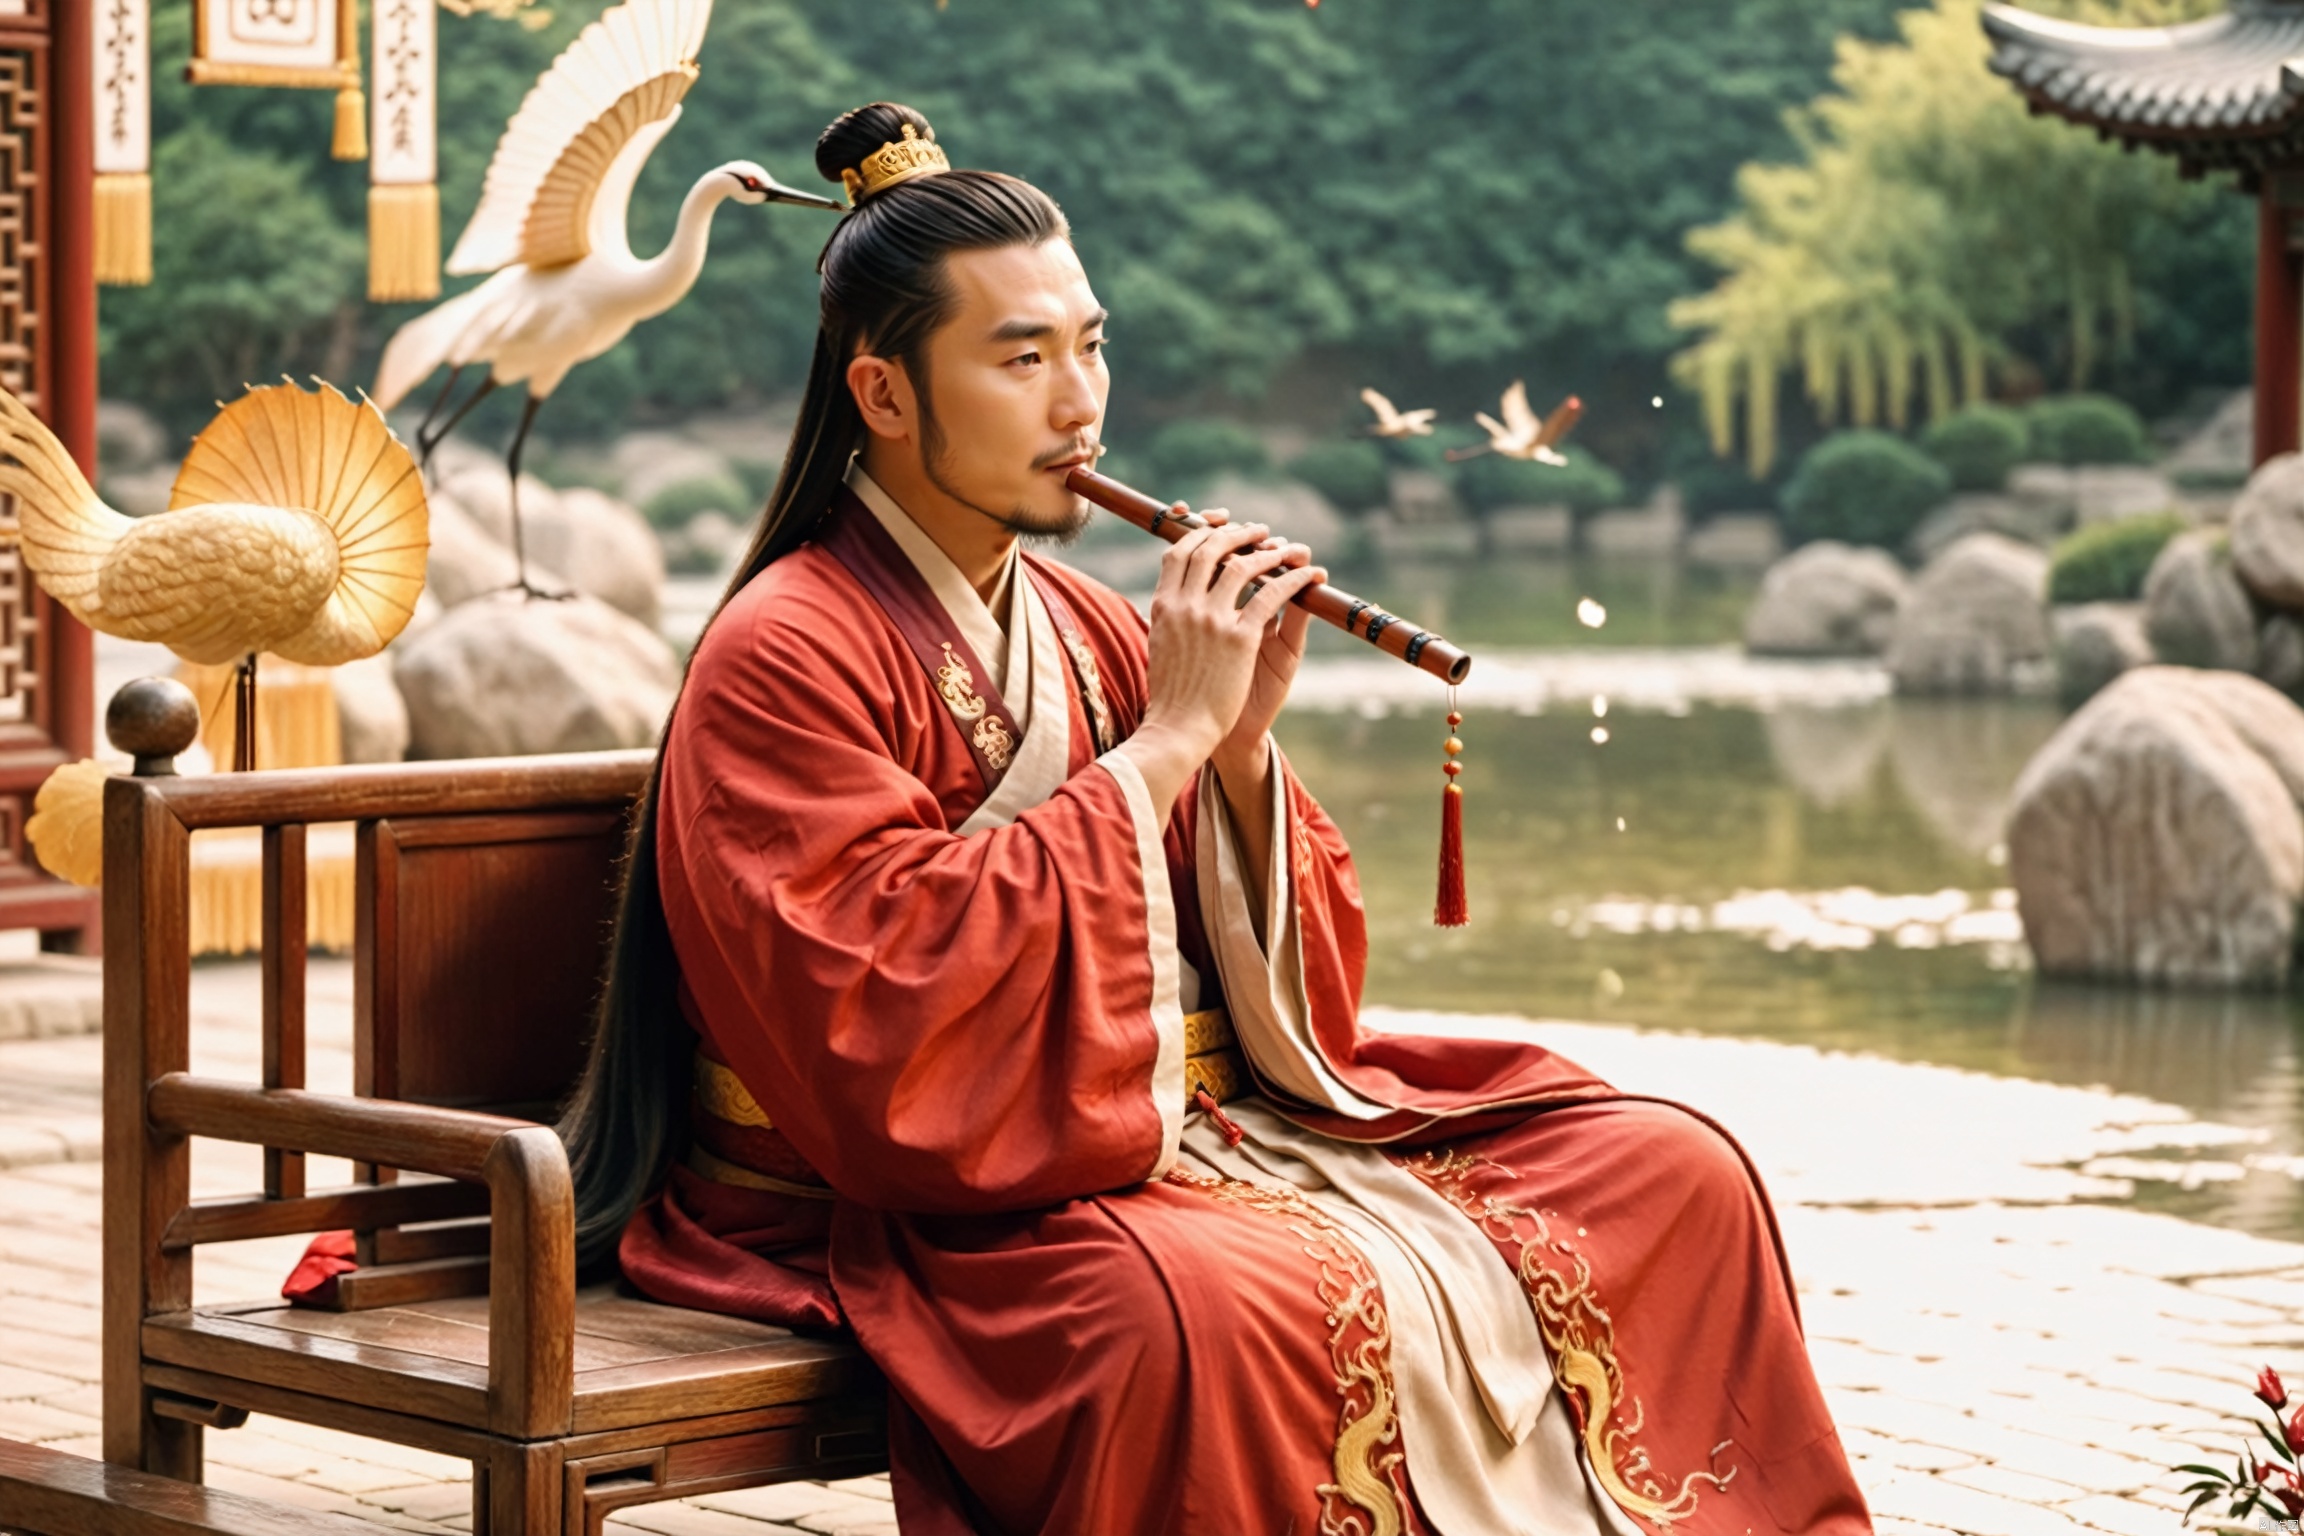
481	941
482	898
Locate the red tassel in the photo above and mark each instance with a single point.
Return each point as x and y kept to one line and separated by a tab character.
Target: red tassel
1226	1126
1449	911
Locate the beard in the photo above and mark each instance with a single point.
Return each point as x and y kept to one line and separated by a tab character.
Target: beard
1061	529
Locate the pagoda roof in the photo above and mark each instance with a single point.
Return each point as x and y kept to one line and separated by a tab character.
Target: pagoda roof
2226	92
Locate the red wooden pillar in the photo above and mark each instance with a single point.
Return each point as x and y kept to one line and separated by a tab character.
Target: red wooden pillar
2279	313
72	380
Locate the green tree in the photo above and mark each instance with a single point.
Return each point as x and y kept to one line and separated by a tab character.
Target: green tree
1930	232
1263	192
253	276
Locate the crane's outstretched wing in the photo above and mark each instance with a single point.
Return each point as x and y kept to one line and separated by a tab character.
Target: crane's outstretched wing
64	529
618	83
336	460
1386	416
1518	416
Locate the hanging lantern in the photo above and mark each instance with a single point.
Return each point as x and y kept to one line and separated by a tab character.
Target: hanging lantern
123	102
403	190
300	44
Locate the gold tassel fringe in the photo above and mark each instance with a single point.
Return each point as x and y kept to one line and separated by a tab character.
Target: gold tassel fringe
351	124
124	229
404	242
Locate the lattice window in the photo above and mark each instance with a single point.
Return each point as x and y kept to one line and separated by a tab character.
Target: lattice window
21	254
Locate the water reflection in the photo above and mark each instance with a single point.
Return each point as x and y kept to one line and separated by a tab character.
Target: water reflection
1738	827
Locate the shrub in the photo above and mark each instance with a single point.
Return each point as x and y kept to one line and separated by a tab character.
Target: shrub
1583	485
1353	475
1720	485
1189	453
2086	429
672	506
2109	561
1865	487
1979	445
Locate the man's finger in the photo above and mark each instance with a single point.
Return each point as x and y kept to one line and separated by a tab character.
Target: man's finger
1219	543
1236	573
1276	592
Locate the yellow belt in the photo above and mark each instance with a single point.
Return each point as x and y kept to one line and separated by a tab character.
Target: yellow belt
1212	1063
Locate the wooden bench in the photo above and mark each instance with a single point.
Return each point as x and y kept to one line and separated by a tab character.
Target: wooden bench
50	1493
484	901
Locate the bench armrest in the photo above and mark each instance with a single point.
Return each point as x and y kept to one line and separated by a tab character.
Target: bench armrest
532	1211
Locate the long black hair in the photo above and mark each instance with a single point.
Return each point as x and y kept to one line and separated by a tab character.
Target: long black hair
883	291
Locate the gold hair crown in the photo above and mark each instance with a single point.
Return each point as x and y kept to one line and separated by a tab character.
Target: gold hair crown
899	160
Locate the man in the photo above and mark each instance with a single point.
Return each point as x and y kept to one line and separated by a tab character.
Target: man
978	898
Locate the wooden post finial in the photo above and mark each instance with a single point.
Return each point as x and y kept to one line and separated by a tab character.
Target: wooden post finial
152	720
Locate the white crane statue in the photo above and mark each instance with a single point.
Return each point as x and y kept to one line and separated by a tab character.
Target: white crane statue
551	226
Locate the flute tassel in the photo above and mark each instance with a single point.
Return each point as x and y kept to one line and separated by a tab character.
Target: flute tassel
1448	908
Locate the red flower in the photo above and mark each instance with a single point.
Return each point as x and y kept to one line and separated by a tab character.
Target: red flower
2290	1500
2295	1430
2269	1391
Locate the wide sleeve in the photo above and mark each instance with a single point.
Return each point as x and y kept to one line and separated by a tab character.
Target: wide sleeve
1292	984
937	1022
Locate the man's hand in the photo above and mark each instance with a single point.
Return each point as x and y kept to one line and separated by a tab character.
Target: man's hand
1221	660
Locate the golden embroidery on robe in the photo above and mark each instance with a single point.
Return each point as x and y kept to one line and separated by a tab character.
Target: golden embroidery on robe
724	1096
992	739
1581	1337
958	685
1370	1494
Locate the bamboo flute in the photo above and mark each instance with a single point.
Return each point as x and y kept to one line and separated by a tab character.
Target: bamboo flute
1357	617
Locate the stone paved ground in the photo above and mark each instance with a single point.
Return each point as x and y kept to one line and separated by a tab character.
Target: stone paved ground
2008	1353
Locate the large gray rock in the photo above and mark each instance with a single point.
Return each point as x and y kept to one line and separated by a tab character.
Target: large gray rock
2157	838
505	675
2095	643
1976	620
485	494
371	717
464	561
2268	532
2280	653
645	463
128	437
2027	521
1827	599
578	540
2195	610
597	544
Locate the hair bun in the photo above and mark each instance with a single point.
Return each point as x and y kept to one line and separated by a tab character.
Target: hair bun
853	135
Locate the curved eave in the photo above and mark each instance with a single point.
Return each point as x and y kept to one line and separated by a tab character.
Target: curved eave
2225	92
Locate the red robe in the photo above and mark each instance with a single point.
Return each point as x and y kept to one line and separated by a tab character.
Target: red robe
965	1047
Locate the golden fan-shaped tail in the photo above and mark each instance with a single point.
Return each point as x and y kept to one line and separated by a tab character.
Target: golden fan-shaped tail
279	446
64	529
66	828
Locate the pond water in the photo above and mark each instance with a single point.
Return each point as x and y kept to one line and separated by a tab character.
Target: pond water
1770	850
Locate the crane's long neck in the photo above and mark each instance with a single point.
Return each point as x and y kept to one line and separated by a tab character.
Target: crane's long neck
666	277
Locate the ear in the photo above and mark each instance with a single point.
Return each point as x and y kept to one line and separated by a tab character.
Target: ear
884	396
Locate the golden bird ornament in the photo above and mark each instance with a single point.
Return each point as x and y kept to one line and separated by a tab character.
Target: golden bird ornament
1391	422
297	525
66	827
